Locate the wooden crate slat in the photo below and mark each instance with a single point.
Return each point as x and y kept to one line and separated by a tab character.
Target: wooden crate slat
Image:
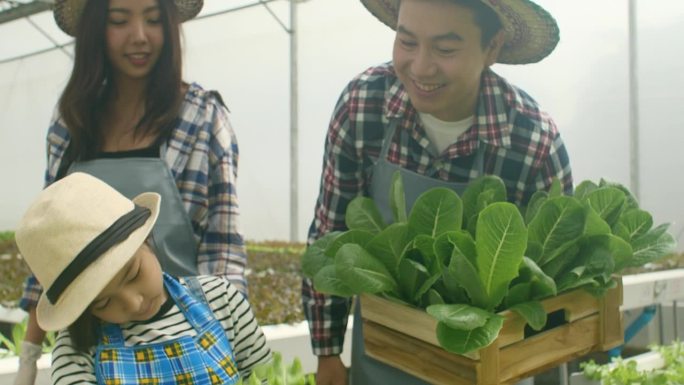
513	329
404	337
419	358
515	362
408	320
611	328
549	349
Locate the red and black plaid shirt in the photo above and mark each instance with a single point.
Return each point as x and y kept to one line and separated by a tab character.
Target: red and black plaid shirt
522	146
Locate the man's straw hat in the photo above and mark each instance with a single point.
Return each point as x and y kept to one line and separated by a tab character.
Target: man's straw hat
76	236
531	32
67	12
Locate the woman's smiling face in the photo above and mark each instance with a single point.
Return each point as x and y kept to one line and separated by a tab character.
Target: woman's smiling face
135	37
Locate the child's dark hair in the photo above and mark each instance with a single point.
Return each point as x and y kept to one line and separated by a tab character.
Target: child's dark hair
84	331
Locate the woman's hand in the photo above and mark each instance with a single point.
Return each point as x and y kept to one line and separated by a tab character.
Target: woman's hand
30	353
331	371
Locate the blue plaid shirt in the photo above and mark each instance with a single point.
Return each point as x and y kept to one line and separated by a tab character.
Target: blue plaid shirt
522	146
202	154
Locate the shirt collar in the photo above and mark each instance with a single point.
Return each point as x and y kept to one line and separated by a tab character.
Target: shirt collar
496	109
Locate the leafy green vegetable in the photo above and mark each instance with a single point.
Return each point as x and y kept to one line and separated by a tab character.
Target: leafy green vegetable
608	202
490	185
541	284
465	259
411	277
462	341
651	246
462	271
354	264
559	221
363	214
625	371
435	212
460	316
584	188
555	190
533	312
276	372
388	246
535	203
500	242
397	198
326	281
358	237
315	257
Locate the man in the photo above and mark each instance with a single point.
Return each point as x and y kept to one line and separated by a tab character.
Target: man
442	117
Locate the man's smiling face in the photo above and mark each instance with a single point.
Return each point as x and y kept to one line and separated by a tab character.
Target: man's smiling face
439	57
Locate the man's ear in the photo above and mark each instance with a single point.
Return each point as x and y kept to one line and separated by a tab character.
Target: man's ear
494	47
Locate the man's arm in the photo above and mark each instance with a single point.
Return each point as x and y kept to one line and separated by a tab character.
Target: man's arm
342	179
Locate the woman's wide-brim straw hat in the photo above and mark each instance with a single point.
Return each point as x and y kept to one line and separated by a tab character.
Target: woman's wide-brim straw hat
75	237
68	12
531	32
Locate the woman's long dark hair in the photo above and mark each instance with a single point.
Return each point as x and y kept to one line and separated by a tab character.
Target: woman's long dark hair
83	102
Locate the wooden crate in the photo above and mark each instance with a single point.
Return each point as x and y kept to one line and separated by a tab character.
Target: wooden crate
404	337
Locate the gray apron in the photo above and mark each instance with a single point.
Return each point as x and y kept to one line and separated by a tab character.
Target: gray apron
364	369
173	237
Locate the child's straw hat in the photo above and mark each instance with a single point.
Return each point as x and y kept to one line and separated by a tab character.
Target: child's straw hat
76	236
531	32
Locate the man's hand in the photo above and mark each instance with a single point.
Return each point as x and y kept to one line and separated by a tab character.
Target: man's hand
331	371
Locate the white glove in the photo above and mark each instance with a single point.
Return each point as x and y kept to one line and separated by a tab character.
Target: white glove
30	353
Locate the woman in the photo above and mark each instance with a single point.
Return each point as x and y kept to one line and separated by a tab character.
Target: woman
127	117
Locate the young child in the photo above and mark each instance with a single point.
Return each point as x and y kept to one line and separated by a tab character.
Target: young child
128	322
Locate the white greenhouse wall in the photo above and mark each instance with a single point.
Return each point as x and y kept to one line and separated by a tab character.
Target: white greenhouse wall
244	55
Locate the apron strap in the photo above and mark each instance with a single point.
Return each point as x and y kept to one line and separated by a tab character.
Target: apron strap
65	162
194	306
387	139
195	287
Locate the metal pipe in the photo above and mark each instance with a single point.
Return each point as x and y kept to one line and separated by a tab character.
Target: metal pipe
21	10
563	373
265	4
294	131
634	174
47	36
661	325
35	53
675	320
229	10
